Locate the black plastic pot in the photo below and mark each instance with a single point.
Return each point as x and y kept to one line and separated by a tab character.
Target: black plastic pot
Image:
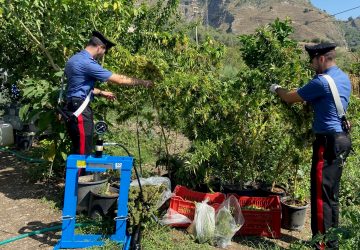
84	189
102	204
293	218
239	189
267	189
24	140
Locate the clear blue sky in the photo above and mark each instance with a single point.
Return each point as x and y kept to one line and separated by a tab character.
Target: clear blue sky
336	6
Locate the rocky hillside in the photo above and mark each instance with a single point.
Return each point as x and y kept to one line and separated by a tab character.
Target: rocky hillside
244	16
352	32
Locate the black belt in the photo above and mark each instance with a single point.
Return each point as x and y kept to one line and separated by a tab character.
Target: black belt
328	139
73	103
70	107
330	135
74	99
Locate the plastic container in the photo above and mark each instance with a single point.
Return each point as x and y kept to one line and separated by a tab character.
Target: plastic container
293	218
6	134
14	121
265	222
84	188
183	202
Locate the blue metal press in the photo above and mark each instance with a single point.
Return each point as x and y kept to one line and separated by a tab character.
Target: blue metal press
91	164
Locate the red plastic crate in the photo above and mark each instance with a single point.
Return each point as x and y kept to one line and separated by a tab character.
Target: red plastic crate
261	223
184	202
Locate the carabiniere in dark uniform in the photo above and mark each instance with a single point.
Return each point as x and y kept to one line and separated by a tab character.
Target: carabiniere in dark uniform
82	71
332	144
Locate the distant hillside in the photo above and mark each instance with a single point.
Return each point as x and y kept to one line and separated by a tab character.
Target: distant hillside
352	32
244	16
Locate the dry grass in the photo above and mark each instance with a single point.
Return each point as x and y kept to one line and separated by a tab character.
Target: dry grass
355	82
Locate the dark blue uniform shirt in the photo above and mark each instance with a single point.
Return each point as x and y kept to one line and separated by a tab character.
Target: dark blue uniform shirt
317	92
82	71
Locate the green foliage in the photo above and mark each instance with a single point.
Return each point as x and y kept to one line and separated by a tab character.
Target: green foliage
237	128
351	29
40	97
95	226
350	186
224	224
125	133
276	138
178	66
349	232
355	66
143	210
109	245
42	35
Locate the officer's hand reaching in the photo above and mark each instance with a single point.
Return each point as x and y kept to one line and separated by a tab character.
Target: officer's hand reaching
108	95
274	87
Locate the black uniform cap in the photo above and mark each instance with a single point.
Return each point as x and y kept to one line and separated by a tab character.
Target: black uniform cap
319	49
108	44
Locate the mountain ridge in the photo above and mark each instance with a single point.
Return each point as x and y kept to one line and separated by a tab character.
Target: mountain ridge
244	16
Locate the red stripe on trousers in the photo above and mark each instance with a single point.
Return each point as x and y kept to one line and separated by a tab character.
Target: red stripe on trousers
319	200
82	137
81	134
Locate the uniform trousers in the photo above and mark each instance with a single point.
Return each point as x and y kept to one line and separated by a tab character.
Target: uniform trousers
81	128
329	154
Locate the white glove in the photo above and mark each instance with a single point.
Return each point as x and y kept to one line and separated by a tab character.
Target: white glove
274	87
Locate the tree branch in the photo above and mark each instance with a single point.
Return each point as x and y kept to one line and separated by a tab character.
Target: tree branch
42	47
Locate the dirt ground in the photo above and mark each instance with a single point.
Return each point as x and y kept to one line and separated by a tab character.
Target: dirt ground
25	207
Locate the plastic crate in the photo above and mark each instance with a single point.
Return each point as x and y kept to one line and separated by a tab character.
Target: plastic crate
261	223
183	202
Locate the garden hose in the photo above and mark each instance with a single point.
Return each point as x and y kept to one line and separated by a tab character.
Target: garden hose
40	231
22	157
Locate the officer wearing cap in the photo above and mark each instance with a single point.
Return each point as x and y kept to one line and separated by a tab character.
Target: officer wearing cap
332	144
82	71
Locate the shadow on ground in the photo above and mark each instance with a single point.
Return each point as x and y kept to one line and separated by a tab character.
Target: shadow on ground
14	182
46	238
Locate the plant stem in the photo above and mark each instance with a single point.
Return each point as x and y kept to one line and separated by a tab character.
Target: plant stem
295	180
163	133
42	47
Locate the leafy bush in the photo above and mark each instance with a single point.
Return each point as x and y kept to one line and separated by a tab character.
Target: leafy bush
239	130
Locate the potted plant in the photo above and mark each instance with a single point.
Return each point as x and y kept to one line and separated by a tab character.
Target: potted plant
294	206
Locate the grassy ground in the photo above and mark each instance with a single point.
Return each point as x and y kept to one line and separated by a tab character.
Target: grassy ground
158	237
154	235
